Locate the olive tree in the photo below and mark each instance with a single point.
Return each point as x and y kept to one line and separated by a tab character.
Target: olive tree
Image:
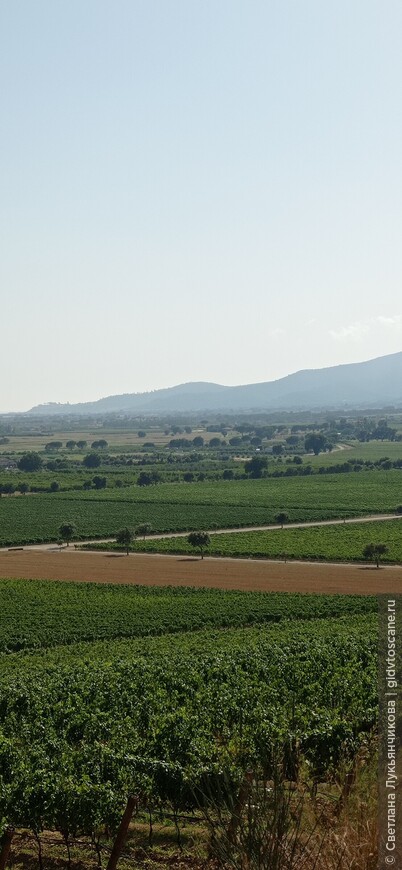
374	552
143	529
67	532
199	540
125	537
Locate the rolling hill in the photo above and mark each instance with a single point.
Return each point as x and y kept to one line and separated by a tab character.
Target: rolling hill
376	383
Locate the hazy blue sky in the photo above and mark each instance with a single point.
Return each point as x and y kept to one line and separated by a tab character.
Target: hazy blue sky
196	190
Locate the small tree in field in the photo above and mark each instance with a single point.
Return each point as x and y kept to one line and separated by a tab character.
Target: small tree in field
67	532
144	479
99	482
30	462
125	537
282	518
374	552
200	540
315	442
143	529
256	466
91	460
100	444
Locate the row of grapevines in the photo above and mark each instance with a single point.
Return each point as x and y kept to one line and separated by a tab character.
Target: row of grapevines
78	737
334	543
175	507
37	614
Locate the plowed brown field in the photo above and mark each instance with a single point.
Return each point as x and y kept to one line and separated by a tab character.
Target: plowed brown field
243	574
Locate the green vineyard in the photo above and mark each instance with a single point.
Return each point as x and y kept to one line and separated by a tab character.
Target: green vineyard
333	543
42	614
83	725
176	507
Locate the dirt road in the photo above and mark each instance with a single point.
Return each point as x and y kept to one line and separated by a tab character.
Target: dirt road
186	571
272	527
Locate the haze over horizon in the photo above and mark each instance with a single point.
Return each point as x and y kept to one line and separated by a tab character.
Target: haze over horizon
196	192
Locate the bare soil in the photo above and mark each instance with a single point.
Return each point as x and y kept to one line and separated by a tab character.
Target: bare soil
162	570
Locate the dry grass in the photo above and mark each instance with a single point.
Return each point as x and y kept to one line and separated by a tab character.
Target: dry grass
337	830
287	826
351	841
120	440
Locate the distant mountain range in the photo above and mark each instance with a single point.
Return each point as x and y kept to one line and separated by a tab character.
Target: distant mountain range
376	383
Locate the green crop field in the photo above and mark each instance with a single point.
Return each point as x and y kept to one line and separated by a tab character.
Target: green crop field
38	614
85	724
220	504
332	543
371	451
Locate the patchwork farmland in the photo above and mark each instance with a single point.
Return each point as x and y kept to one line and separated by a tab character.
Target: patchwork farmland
159	673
